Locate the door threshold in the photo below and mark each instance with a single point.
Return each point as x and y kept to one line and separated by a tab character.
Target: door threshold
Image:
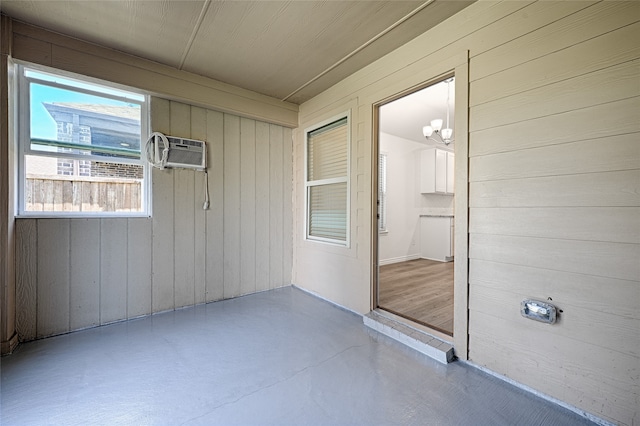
414	323
429	342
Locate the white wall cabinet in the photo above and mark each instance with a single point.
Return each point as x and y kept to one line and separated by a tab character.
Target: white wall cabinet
436	238
436	171
450	172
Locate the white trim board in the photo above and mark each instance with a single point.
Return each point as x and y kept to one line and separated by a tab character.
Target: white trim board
544	396
399	259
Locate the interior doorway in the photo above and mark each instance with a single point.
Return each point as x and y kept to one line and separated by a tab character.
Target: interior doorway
416	206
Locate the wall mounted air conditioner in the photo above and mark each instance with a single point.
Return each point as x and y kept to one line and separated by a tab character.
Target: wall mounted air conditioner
183	153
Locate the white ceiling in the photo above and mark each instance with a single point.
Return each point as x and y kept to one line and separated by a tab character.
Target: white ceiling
291	50
406	116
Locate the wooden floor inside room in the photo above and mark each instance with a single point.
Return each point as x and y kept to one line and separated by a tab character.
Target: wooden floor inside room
420	290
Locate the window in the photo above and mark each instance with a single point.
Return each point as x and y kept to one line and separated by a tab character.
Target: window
327	182
80	147
382	192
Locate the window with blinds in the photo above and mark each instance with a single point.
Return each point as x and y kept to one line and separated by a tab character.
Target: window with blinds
382	192
327	180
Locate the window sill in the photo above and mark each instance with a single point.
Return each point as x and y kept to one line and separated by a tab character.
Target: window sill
66	215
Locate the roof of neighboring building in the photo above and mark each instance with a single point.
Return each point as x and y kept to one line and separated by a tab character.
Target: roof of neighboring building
130	112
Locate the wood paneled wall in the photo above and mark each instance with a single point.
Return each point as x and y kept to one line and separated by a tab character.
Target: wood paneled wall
79	273
8	336
554	191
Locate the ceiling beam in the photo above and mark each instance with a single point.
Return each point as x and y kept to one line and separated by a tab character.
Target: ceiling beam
362	47
194	33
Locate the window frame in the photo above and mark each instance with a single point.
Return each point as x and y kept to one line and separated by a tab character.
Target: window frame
309	184
23	138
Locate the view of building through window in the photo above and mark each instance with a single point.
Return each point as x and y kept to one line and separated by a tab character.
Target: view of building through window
83	150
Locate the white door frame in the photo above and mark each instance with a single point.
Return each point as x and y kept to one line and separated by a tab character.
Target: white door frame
457	66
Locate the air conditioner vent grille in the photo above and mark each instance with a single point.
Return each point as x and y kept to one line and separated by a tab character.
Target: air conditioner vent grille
183	156
187	153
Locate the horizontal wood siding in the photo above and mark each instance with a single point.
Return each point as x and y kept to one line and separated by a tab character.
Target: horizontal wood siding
79	273
554	195
553	191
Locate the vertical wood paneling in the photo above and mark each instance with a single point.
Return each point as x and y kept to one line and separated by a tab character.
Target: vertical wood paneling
26	278
113	270
199	131
215	214
53	277
247	206
275	206
287	206
85	274
231	206
162	267
184	239
139	262
8	260
183	195
262	207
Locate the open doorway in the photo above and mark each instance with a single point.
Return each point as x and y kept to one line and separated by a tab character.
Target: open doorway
416	206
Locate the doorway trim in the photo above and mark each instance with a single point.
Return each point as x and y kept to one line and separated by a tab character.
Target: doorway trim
457	66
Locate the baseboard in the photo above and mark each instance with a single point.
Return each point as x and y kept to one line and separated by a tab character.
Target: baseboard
8	346
542	395
324	299
398	259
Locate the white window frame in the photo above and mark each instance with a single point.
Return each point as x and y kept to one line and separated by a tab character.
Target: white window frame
24	136
347	179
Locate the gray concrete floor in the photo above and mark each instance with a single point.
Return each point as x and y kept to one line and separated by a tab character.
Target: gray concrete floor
276	358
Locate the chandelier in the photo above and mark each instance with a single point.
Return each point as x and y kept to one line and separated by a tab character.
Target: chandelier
435	132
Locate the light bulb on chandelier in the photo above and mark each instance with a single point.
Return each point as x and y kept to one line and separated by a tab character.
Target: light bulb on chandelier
435	132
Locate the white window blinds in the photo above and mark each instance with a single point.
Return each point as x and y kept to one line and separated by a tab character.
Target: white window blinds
327	182
382	192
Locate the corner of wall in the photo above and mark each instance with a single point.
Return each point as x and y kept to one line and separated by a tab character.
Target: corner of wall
8	336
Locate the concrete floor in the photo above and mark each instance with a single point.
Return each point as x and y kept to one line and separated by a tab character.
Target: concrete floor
275	358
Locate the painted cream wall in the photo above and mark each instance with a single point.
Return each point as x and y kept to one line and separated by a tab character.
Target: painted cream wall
79	273
31	300
554	182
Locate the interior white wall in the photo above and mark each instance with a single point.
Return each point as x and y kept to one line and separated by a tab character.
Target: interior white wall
405	203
